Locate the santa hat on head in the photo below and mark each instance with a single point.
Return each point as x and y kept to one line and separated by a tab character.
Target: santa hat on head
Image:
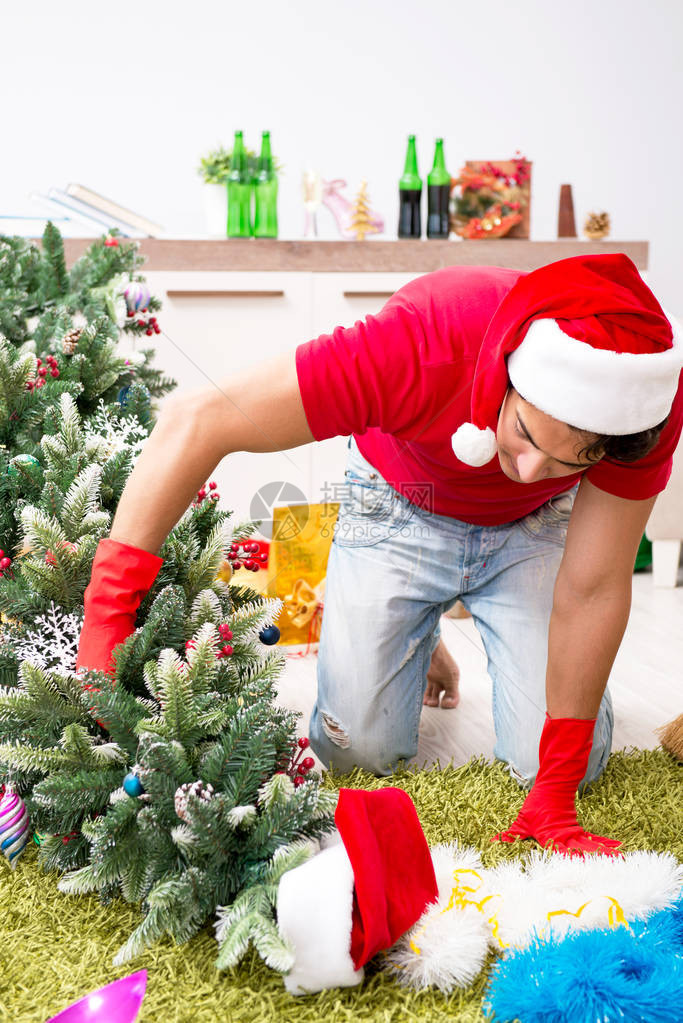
585	341
359	896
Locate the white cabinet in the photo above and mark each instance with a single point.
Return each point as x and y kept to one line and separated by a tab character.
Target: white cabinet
215	323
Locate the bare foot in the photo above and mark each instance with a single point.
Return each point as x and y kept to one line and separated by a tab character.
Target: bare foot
443	677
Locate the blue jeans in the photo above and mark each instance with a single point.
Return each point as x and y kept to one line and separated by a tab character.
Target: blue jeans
392	572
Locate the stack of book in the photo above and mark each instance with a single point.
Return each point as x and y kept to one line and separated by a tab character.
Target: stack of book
79	212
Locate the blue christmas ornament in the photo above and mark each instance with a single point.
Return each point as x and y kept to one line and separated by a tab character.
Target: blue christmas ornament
132	785
122	396
269	635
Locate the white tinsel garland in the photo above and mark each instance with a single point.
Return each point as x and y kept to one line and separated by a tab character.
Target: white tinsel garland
508	906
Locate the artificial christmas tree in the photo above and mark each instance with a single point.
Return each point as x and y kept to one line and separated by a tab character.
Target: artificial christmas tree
166	782
59	334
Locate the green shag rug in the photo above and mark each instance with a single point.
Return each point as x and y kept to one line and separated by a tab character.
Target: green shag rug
56	948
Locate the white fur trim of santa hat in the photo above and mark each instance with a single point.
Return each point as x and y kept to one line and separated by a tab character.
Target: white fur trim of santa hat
314	913
614	393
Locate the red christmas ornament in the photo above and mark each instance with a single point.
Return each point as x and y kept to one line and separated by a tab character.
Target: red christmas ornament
110	242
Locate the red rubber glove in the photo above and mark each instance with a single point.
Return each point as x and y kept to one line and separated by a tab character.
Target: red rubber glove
121	576
549	811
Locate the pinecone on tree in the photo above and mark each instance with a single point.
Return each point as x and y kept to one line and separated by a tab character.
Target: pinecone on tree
597	225
70	340
198	789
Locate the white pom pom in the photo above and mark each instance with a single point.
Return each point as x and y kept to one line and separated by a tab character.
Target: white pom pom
474	446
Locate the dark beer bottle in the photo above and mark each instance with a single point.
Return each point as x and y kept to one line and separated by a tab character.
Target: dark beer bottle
265	193
239	191
438	193
409	193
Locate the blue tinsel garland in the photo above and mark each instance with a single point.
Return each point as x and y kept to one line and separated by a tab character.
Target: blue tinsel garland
601	976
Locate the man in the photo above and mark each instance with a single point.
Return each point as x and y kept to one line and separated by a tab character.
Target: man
477	401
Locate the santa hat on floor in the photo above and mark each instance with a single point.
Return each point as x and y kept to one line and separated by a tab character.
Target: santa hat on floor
585	341
356	897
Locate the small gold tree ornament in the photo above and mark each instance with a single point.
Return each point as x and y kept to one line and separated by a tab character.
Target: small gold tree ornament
596	226
361	217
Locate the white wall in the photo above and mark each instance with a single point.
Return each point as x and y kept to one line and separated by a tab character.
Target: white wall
125	98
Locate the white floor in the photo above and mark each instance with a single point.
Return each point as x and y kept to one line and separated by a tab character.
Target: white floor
646	681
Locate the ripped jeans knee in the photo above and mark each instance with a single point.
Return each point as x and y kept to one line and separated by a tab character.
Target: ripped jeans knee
335	731
343	745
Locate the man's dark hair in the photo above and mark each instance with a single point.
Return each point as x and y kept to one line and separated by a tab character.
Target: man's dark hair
628	448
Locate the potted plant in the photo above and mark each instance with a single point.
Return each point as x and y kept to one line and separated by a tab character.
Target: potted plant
214	169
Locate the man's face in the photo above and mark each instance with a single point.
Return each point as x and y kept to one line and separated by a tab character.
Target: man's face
532	446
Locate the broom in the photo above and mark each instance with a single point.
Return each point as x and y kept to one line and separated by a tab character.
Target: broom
671	736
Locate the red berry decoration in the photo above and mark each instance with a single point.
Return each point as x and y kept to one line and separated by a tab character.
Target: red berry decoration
298	780
263	557
131	312
213	485
40	383
54	373
5	563
237	565
110	242
303	742
307	763
39	362
225	631
42	371
227	650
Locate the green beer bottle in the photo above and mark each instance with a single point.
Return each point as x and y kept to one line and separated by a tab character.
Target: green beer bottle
438	193
239	192
409	194
265	193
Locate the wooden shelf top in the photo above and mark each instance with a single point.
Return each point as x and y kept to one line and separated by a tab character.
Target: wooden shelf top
253	254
